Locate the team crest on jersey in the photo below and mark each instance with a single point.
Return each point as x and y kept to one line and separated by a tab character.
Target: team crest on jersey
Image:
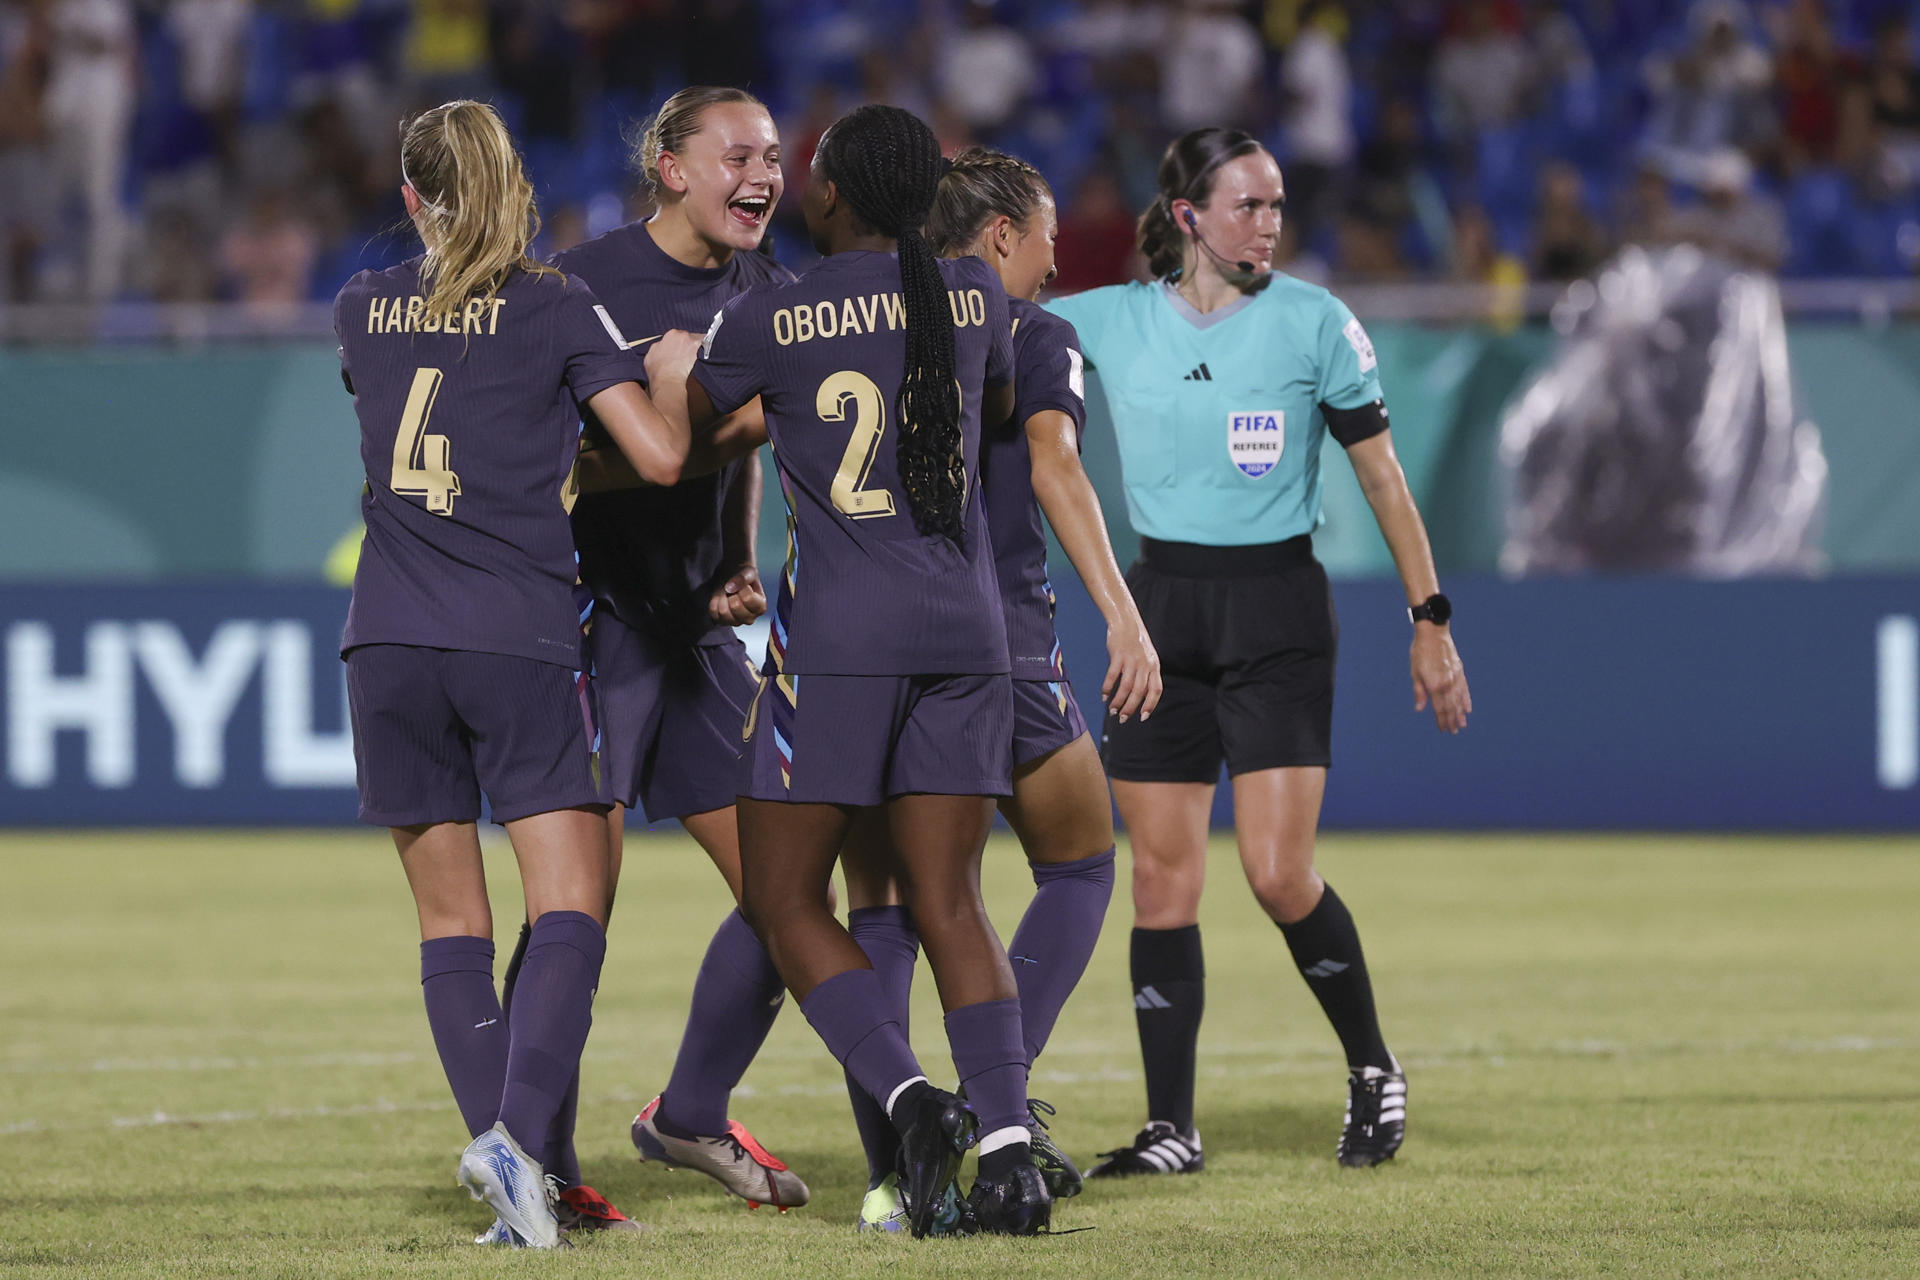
1256	438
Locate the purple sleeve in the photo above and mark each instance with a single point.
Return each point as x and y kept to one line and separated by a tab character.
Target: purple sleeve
1051	372
339	334
999	328
730	365
593	350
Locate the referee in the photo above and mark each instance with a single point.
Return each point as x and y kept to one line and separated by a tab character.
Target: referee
1222	377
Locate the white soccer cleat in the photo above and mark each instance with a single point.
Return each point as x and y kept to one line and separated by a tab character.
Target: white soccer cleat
493	1168
499	1233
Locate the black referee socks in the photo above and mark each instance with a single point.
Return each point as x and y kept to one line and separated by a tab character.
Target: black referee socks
1169	995
1326	947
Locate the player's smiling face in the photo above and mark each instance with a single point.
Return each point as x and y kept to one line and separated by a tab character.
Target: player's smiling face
1028	268
1241	220
728	174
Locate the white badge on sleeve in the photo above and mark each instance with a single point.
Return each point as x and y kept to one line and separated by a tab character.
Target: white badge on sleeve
1256	438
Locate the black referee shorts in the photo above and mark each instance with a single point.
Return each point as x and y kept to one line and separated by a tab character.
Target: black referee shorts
1247	637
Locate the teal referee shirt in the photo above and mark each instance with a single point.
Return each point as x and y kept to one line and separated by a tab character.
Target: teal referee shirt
1220	417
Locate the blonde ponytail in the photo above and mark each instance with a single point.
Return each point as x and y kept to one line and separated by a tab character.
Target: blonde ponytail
477	208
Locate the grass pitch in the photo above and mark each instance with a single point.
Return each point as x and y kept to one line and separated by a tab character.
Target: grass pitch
1631	1056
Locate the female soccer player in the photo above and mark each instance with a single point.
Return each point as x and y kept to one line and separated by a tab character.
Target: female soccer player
886	683
672	572
1000	209
469	367
1224	380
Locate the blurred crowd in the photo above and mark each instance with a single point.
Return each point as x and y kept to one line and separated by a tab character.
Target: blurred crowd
192	150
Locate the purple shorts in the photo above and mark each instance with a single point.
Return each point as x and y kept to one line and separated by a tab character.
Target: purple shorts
433	728
858	740
673	715
1045	718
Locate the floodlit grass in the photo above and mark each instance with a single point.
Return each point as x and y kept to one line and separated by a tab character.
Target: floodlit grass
1631	1056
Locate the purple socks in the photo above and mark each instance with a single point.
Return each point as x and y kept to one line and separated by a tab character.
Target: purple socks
848	1011
554	998
886	934
735	1000
1055	940
456	978
991	1057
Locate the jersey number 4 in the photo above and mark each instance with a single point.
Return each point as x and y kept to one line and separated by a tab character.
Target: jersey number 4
422	466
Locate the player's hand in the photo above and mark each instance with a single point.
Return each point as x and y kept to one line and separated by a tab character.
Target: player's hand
1439	678
1132	685
671	357
738	600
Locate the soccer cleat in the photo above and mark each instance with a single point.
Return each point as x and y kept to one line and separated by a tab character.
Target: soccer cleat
1014	1205
938	1133
1055	1165
1158	1148
882	1209
1376	1122
499	1233
493	1168
734	1160
582	1208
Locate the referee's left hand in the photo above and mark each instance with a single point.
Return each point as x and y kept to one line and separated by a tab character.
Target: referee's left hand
1439	678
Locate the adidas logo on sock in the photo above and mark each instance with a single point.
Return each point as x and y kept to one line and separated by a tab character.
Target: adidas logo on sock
1325	969
1201	374
1148	998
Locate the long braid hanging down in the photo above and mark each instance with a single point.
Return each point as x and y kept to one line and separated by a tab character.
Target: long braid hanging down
887	163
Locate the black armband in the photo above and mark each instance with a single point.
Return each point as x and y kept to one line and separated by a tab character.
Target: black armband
347	381
1351	426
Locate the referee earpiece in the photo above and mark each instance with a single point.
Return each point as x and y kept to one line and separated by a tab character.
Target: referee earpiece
1244	267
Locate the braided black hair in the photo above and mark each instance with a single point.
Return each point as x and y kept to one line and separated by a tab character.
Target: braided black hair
887	164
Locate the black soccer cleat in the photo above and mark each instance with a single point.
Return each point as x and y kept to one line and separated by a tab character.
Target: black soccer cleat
1376	1117
1062	1176
1158	1148
937	1134
1015	1204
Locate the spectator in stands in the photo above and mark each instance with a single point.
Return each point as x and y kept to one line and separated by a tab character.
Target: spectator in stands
212	35
1711	95
1568	243
1646	214
1209	68
174	267
89	113
1732	219
1893	86
986	71
448	51
1096	245
1809	71
23	163
268	258
1316	114
1482	75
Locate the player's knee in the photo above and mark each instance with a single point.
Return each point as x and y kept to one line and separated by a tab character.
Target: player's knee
1162	886
1286	890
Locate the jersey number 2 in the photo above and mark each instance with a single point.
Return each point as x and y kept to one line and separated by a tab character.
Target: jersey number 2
850	498
422	467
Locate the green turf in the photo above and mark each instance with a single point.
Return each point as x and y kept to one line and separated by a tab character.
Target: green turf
1634	1056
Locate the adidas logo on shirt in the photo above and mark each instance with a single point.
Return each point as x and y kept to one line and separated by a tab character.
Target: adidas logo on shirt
1201	374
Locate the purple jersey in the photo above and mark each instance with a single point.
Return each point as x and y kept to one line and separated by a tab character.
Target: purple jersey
469	438
650	554
864	592
1047	375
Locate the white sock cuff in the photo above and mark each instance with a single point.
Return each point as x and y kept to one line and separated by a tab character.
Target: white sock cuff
1006	1137
900	1089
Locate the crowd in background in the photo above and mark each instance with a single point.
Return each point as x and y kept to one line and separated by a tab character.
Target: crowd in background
192	150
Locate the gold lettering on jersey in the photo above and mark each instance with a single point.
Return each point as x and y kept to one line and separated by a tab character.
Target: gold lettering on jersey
851	317
410	315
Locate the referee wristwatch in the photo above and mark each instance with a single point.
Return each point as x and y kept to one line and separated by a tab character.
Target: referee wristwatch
1436	609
